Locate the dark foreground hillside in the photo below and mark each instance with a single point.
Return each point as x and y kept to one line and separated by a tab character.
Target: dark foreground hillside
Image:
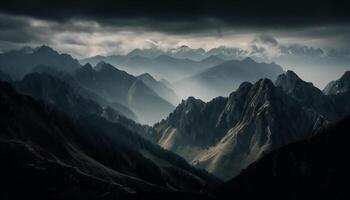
46	155
317	168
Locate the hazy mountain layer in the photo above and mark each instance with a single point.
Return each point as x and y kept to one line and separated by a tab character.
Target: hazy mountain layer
83	92
221	79
118	86
160	88
160	66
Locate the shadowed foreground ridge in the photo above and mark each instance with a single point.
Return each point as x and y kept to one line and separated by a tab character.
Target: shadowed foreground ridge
317	168
46	155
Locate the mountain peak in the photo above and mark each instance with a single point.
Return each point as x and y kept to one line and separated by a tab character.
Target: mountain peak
104	66
147	76
265	82
45	49
184	47
341	85
289	81
191	100
88	65
292	74
346	76
248	60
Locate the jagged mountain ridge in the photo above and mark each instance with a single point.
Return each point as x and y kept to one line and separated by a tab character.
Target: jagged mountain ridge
341	85
92	151
181	52
339	92
160	66
19	63
308	95
240	129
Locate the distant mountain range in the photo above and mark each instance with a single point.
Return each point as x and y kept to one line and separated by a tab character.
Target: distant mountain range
181	52
104	84
226	77
205	79
225	135
300	58
160	66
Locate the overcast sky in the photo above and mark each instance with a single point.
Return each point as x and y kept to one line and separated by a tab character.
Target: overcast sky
87	28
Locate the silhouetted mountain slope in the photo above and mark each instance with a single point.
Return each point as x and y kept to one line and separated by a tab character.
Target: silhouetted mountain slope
19	63
317	168
341	85
307	95
338	91
75	101
118	86
58	93
226	77
160	88
92	157
227	134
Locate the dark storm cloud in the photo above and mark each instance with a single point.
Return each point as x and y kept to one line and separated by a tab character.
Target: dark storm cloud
185	15
14	30
101	26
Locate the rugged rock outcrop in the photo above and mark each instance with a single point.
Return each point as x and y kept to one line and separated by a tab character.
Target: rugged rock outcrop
307	95
341	85
225	135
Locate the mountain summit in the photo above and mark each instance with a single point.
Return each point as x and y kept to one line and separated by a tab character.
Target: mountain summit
339	86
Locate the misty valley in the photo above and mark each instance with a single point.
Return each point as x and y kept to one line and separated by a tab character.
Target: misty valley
146	101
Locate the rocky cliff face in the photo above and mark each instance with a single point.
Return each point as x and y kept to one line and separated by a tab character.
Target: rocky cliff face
341	85
307	95
227	134
339	92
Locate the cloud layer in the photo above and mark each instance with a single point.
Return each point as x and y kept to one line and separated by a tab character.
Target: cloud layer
87	28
